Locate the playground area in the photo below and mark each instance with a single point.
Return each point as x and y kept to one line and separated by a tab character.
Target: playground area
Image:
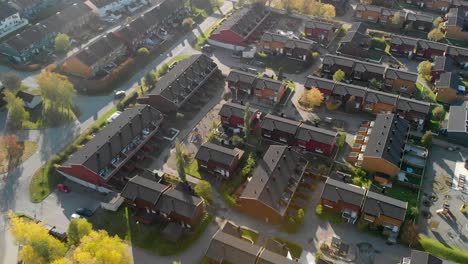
444	210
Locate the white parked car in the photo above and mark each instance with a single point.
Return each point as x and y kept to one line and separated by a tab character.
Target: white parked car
76	216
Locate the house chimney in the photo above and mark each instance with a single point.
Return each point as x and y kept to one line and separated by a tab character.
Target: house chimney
284	157
279	167
273	178
388	149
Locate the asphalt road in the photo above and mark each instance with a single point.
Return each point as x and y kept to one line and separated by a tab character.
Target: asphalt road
56	209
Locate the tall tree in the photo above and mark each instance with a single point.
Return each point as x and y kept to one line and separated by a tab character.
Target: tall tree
62	43
99	247
17	114
203	189
409	234
424	70
150	79
11	81
37	245
438	113
180	160
56	90
247	116
13	148
396	18
327	10
312	97
435	35
78	228
426	139
339	76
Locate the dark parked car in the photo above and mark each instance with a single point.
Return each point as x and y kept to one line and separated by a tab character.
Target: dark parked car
84	212
207	48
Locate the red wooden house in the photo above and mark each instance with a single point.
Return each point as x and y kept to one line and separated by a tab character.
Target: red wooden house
239	26
403	46
97	163
232	117
280	129
343	198
428	50
218	159
319	30
315	139
333	63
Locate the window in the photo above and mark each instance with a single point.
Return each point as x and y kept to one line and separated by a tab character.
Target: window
282	139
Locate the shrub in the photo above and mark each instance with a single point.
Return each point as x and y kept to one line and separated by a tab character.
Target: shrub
237	140
315	55
438	113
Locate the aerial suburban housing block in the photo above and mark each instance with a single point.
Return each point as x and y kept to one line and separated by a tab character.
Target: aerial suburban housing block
237	29
294	133
229	246
456	124
420	22
151	199
456	26
428	50
40	37
219	160
319	30
379	14
382	146
368	99
397	81
30	8
292	48
356	42
98	163
382	210
10	19
343	198
403	45
440	65
95	58
275	180
232	117
262	88
180	83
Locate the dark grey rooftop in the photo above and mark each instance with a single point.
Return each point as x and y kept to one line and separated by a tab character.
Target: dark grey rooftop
144	189
339	191
403	40
219	154
377	204
458	118
387	139
273	122
447	80
421	257
6	11
308	133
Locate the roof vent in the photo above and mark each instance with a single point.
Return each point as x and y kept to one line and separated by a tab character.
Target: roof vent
388	149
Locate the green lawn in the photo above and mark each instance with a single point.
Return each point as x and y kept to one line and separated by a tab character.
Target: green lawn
444	251
293	248
147	237
46	178
378	43
178	58
249	234
403	194
192	169
205	35
327	215
425	93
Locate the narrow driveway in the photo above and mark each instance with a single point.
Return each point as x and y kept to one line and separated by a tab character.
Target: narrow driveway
14	186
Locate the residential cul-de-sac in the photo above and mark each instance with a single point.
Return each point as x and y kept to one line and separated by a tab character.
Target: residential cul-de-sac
172	131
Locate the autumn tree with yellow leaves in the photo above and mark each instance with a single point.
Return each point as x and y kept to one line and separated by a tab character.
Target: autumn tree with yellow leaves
87	245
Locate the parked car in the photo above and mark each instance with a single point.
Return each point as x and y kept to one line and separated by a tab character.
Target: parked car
207	48
252	70
119	94
84	212
76	216
63	188
237	54
172	65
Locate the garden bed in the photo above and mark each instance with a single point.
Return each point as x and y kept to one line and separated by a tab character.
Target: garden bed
403	194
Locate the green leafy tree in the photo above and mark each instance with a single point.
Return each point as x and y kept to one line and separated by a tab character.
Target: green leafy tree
56	90
11	81
413	212
162	70
62	43
438	113
143	52
203	189
150	79
341	140
426	139
376	84
180	160
17	114
237	141
188	23
300	216
424	70
78	228
339	76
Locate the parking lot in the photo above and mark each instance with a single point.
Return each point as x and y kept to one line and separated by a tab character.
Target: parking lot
437	191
